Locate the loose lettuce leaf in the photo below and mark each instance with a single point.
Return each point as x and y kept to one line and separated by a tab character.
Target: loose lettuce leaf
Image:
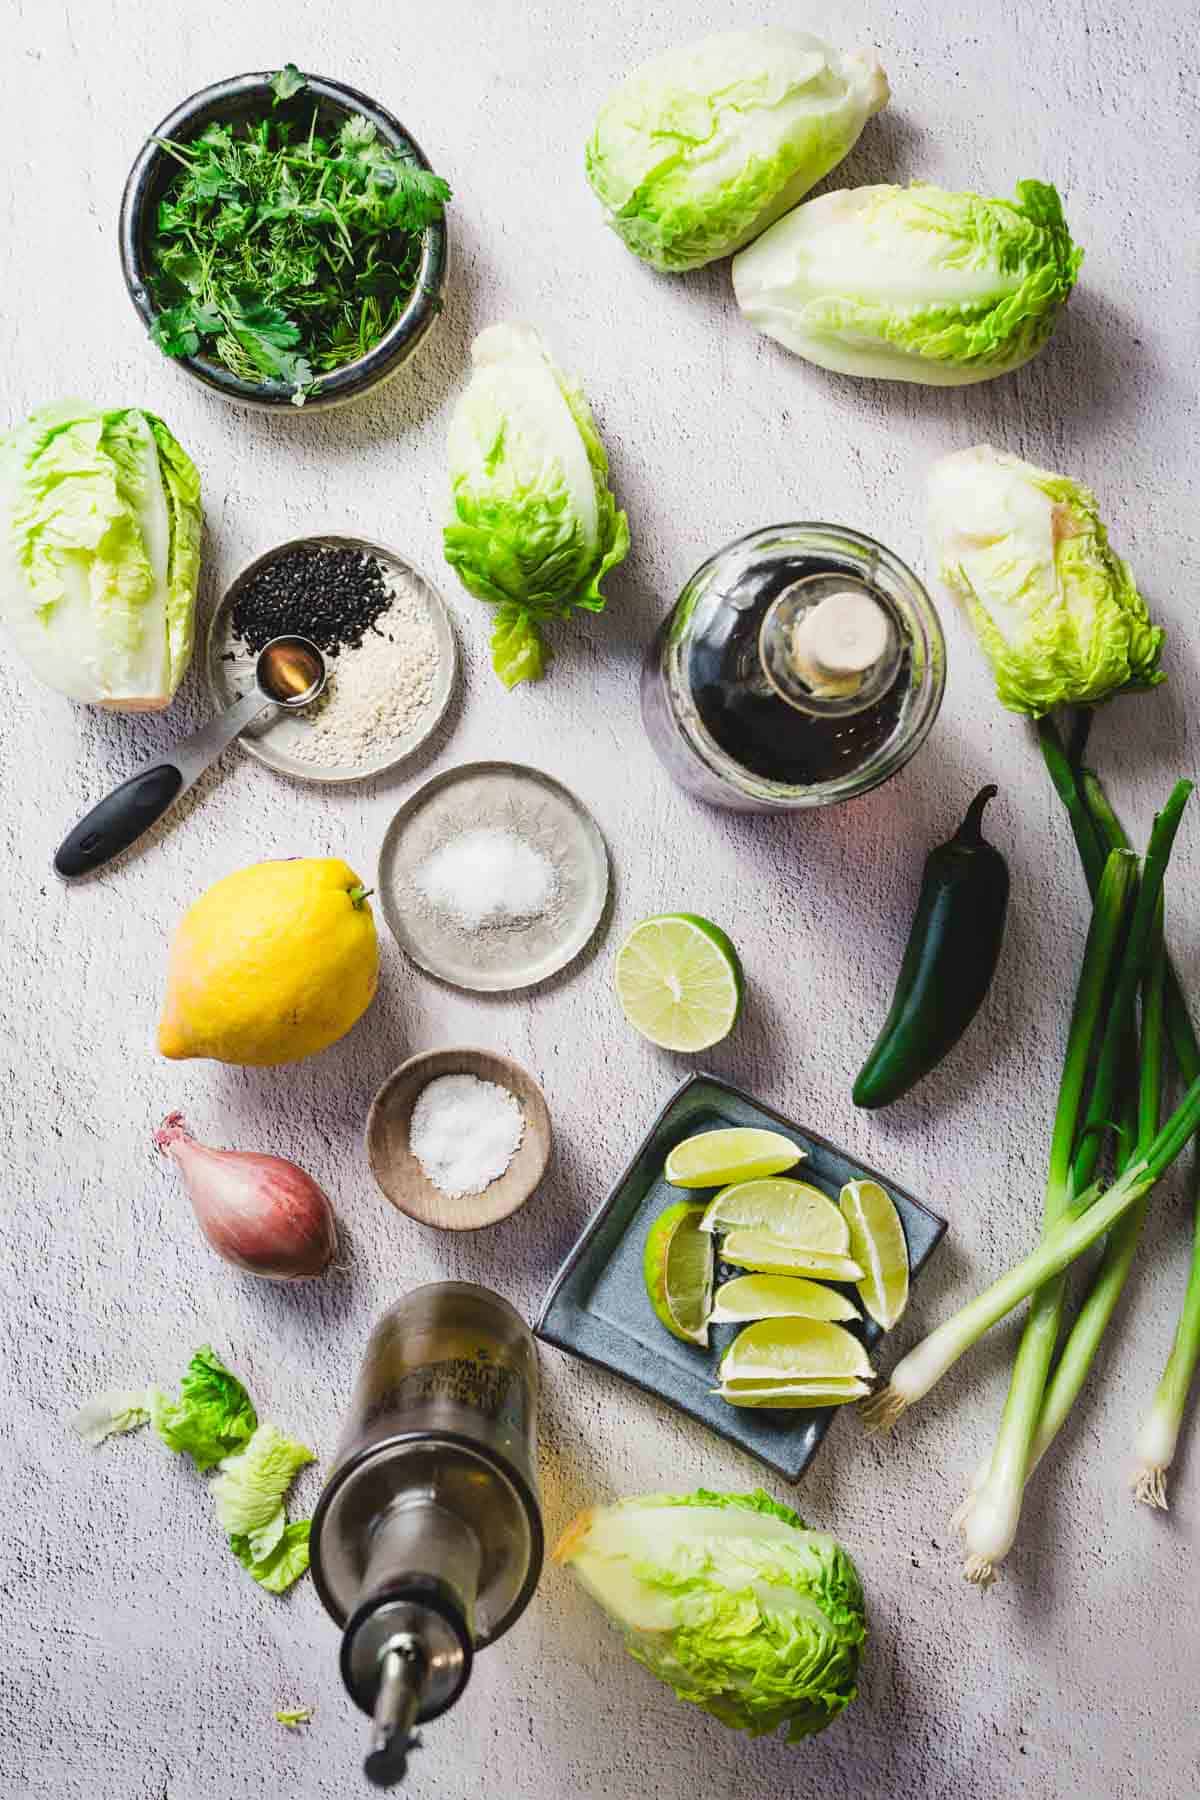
283	1565
1027	555
730	1600
213	1415
108	1415
701	148
99	552
913	284
248	1491
534	527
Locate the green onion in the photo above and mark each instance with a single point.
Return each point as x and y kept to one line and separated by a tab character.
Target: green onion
1158	1433
996	1506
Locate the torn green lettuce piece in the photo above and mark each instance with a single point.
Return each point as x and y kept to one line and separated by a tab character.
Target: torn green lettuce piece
213	1417
285	1564
123	1409
249	1488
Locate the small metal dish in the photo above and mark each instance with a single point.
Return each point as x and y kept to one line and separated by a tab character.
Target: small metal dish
269	742
231	102
500	957
401	1177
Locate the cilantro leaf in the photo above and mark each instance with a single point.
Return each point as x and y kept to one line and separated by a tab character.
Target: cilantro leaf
288	82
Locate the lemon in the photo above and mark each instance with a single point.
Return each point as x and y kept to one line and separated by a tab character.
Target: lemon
735	1153
778	1297
679	981
791	1212
767	1256
271	964
877	1241
794	1350
795	1396
678	1270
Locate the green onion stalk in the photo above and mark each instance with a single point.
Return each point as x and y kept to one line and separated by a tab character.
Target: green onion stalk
997	1503
1097	830
1093	1214
1072	1225
1158	1432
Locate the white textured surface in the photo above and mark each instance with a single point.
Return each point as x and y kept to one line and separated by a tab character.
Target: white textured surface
138	1663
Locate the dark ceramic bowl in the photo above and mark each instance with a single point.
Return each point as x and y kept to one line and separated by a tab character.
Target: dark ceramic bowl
230	102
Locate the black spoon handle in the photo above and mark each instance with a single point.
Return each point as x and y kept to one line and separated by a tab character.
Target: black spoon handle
117	820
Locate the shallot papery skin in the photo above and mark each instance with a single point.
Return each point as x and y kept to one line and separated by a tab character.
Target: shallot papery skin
261	1213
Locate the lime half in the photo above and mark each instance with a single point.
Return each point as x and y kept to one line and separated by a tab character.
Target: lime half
794	1350
778	1297
679	981
877	1241
767	1256
735	1153
678	1271
791	1212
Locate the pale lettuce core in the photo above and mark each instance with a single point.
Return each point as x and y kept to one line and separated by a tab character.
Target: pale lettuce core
731	1601
912	284
100	524
533	527
1027	555
701	148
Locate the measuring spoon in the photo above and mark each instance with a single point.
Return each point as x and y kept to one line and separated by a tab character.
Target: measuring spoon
290	672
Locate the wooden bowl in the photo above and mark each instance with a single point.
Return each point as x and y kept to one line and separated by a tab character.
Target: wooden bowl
401	1176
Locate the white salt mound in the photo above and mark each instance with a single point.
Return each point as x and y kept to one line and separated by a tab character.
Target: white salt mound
464	1132
487	877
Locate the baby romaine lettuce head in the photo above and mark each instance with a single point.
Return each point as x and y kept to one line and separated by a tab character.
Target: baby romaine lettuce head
730	1600
912	284
1027	554
99	553
533	527
701	148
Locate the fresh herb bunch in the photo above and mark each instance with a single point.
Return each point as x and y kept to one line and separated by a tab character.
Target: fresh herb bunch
282	251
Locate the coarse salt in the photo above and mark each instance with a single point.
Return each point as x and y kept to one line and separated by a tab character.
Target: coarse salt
464	1132
487	877
378	690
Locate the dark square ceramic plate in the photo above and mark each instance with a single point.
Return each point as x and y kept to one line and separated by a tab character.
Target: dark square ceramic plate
597	1306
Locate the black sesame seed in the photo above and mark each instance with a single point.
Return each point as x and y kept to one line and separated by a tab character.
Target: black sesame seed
330	595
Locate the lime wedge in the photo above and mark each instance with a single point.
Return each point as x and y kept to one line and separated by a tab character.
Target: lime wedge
794	1396
767	1256
877	1242
778	1297
678	1271
793	1350
679	981
737	1153
790	1212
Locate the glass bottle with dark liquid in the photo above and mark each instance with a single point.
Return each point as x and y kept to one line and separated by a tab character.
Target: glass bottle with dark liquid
802	665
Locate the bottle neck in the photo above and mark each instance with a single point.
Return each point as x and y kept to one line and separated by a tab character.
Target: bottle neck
830	646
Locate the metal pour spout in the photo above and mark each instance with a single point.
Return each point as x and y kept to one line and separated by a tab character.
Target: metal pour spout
396	1706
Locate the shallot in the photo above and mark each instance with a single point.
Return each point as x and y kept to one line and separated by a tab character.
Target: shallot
261	1213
